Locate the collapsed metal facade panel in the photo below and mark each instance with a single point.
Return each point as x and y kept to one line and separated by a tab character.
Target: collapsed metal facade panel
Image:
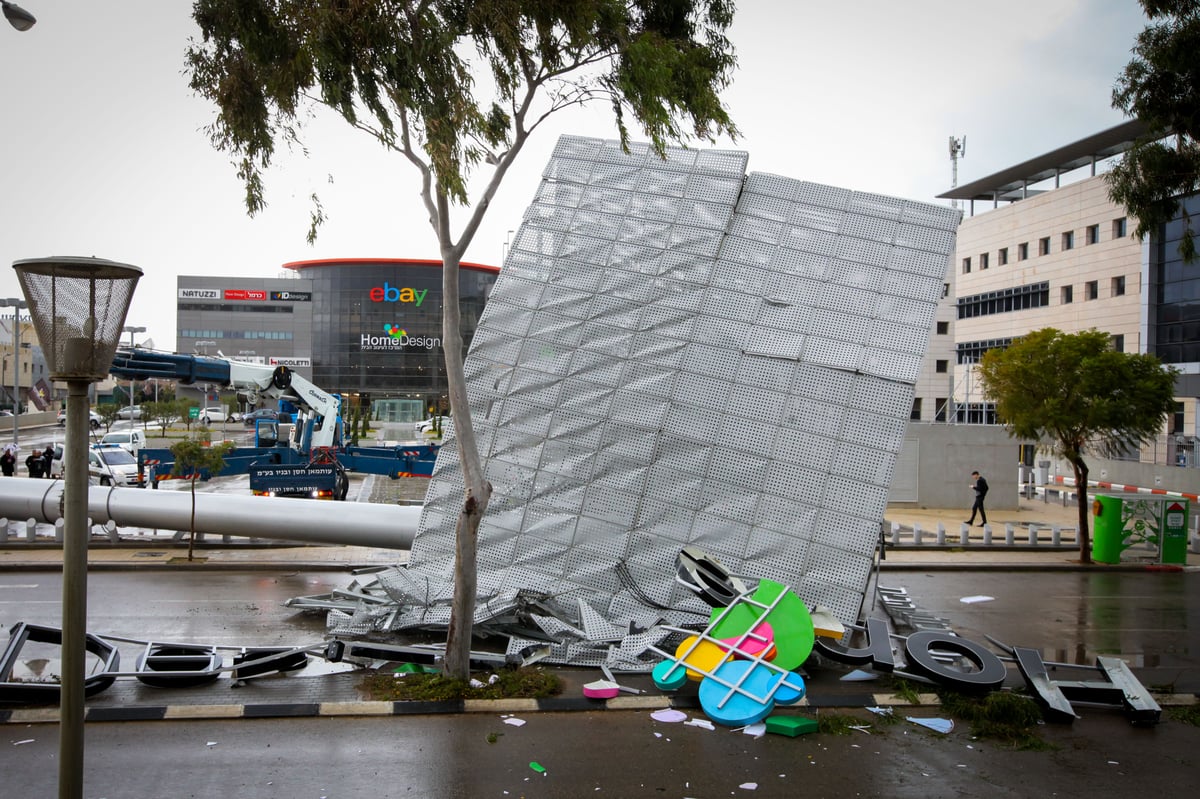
679	353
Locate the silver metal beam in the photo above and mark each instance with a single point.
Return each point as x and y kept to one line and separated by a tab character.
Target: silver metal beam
307	520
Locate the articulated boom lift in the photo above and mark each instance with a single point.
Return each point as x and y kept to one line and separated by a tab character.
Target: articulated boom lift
310	462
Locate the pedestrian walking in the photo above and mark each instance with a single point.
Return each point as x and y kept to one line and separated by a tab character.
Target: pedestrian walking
981	488
33	464
47	461
8	461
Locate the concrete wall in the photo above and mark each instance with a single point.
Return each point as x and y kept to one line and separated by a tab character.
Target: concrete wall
943	457
1142	475
28	420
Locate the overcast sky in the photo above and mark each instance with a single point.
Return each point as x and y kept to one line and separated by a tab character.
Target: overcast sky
105	153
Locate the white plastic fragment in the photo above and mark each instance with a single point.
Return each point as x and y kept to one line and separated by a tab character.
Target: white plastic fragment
26	741
880	711
943	726
749	786
476	683
515	722
756	730
859	675
211	743
669	715
705	723
971	600
495	678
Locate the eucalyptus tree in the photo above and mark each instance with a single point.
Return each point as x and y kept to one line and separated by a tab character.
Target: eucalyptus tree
456	88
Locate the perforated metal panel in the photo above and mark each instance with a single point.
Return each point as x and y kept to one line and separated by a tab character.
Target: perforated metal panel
677	352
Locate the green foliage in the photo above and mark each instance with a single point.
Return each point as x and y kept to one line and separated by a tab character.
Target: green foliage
108	414
526	683
1187	714
904	689
192	457
1074	393
1161	86
159	413
999	715
449	83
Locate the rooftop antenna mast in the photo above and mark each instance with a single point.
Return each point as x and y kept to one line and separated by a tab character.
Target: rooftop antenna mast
958	149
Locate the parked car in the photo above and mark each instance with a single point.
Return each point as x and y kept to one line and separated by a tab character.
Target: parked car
262	413
129	440
94	419
132	412
214	414
431	424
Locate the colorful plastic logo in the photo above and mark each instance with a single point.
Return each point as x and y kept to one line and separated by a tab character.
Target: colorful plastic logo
745	657
395	331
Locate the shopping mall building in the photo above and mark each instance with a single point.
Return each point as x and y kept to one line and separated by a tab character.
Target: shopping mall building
369	329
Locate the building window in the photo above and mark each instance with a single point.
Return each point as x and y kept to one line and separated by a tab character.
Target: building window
1015	298
1119	228
1044	246
983	261
1023	251
943	328
1068	240
1066	295
941	366
915	415
939	410
1118	286
1118	343
1177	419
945	290
966	266
1091	289
1002	256
1093	234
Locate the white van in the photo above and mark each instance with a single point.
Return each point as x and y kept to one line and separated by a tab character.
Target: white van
132	441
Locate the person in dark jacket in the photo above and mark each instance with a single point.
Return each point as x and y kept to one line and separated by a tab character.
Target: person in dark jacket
47	461
981	488
33	463
8	462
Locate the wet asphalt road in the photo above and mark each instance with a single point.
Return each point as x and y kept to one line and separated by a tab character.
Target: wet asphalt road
604	754
618	754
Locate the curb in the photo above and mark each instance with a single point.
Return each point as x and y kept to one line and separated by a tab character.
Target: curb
559	704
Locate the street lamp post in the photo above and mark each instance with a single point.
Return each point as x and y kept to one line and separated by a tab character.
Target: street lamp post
78	306
132	383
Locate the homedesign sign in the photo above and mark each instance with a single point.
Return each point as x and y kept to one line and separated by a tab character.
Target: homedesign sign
397	338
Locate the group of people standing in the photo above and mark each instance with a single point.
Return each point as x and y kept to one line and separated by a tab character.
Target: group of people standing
37	463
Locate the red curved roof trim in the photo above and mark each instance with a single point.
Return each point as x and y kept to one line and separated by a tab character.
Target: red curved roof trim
435	264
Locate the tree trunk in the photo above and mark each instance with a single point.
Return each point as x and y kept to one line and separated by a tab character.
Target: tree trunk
1081	493
477	491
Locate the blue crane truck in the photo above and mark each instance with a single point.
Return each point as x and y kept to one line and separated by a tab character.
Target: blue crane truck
307	458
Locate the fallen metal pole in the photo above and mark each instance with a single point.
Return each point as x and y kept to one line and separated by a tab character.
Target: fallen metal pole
307	520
